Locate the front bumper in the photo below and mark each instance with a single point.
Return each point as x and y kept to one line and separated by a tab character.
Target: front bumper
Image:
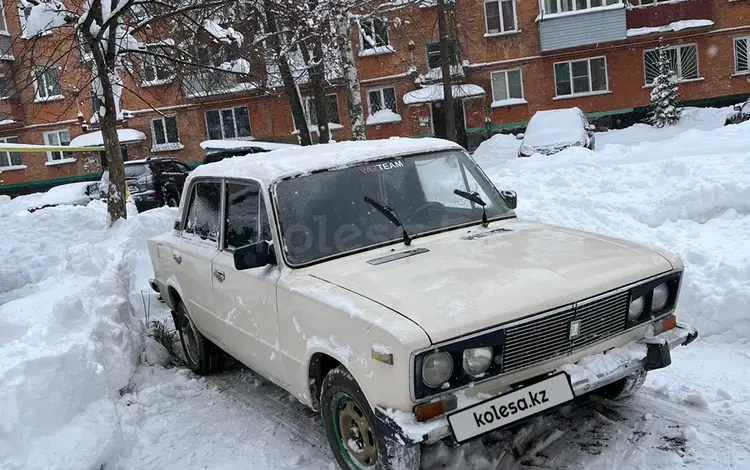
588	374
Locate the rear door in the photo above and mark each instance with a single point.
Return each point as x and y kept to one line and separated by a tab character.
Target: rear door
194	251
246	300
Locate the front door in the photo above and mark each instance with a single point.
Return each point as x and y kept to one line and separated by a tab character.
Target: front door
439	122
246	300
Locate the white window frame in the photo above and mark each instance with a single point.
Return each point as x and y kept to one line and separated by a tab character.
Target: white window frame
306	111
167	145
234	119
575	7
372	20
6	155
382	98
507	84
502	20
38	98
736	54
570	77
679	63
50	158
148	60
4	30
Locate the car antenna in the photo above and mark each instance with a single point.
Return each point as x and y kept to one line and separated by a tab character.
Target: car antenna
476	199
390	214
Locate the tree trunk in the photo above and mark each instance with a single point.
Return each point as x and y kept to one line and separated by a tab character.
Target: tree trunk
351	75
116	200
290	88
445	65
316	74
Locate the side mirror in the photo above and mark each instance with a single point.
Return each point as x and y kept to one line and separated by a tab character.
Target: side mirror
590	127
520	136
252	256
511	198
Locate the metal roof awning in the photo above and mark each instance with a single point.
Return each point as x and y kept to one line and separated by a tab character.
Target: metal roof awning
432	93
31	148
95	139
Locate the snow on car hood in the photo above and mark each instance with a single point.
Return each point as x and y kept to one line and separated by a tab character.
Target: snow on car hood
475	278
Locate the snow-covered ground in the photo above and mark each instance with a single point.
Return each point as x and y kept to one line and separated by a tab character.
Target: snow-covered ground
77	389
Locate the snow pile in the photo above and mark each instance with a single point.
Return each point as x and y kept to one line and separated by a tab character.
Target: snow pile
94	139
69	340
236	66
45	16
226	35
384	116
73	193
680	189
675	26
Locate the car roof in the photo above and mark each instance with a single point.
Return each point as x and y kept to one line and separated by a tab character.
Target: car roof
271	166
554	126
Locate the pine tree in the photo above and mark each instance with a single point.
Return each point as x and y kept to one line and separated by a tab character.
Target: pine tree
665	94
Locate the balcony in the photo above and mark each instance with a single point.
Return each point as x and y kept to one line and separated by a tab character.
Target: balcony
662	14
582	28
210	83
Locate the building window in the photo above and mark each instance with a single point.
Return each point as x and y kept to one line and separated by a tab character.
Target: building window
507	85
561	6
500	15
683	62
84	49
47	84
332	111
10	158
155	69
3	24
58	138
164	131
382	98
232	123
374	33
6	86
24	10
652	2
433	54
740	55
581	76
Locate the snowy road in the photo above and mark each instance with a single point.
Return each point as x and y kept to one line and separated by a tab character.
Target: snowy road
63	323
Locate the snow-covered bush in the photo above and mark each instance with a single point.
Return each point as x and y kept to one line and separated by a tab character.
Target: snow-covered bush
665	94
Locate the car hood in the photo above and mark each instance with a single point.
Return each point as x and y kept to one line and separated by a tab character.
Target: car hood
472	279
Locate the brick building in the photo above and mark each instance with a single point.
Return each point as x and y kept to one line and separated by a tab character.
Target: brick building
512	58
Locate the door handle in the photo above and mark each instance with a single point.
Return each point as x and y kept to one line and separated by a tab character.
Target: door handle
177	257
219	275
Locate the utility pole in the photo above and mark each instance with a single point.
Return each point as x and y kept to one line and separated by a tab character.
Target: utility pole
445	66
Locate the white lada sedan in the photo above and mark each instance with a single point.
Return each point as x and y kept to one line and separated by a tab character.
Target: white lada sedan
390	286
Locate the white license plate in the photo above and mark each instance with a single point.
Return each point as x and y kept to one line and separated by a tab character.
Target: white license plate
510	407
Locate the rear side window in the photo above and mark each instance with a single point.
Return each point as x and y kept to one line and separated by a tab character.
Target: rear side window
203	211
246	217
136	171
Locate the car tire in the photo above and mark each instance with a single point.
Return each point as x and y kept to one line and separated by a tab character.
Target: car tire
173	199
201	355
624	388
342	401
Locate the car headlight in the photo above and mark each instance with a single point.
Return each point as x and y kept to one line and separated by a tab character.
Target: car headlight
437	368
660	297
636	308
477	360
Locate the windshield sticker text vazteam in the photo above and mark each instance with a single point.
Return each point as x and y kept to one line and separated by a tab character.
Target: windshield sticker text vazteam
385	166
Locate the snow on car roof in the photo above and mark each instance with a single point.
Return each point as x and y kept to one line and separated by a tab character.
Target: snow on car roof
554	126
268	167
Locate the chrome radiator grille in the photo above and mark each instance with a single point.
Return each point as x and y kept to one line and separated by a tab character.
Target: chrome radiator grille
540	339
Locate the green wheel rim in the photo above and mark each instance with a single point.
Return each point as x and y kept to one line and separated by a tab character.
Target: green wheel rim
345	409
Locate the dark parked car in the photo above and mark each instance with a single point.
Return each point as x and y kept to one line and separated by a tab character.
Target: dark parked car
153	182
741	114
217	150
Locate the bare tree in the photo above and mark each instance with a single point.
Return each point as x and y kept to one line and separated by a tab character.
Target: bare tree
445	65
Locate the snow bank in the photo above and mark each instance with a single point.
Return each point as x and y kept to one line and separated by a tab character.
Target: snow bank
682	188
69	338
384	116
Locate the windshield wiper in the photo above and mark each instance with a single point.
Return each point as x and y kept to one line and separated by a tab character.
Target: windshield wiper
476	199
390	214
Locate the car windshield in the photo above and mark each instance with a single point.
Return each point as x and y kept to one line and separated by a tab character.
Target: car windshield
324	214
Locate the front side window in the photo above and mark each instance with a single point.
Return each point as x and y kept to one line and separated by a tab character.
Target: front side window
47	84
58	138
741	64
246	220
164	131
433	54
10	158
203	211
561	6
500	15
324	214
506	85
683	62
581	76
229	123
382	98
374	33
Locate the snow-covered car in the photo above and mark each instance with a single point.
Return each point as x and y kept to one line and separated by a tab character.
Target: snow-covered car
73	194
554	130
741	114
217	150
390	286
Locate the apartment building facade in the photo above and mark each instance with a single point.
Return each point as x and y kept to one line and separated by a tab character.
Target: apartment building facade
511	58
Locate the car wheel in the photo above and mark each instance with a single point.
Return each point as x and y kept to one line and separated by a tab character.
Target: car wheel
624	388
351	428
202	356
173	200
